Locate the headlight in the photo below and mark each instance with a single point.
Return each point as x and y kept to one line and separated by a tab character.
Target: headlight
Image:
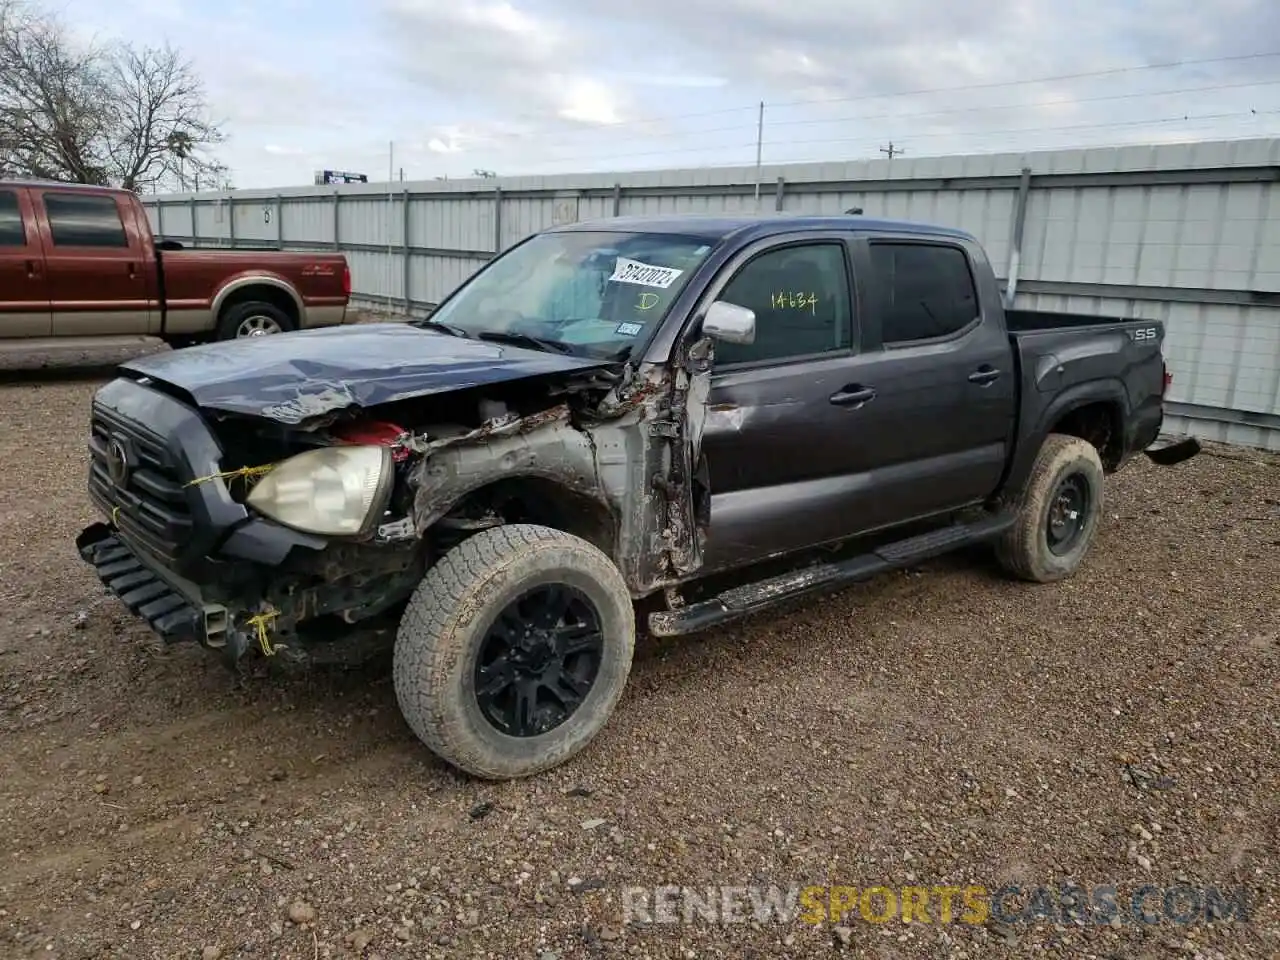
338	491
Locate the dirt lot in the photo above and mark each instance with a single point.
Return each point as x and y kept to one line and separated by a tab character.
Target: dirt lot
937	727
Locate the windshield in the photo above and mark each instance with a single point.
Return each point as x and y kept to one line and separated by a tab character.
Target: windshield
590	293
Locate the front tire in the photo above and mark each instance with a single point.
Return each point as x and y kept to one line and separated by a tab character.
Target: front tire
514	650
1058	514
253	318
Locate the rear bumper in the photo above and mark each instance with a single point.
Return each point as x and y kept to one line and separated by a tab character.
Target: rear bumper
1166	455
326	315
171	606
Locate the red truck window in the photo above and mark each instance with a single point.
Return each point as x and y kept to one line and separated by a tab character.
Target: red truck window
11	231
79	220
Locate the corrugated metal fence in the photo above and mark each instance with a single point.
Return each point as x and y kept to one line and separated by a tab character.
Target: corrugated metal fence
1180	233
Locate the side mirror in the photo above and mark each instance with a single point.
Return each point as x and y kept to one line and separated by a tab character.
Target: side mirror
729	322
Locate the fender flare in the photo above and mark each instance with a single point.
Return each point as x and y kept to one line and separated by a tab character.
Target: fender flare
1109	390
256	280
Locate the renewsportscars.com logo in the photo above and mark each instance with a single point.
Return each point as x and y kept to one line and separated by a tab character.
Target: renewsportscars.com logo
973	904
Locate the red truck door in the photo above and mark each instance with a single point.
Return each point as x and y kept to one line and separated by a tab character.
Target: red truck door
24	290
100	271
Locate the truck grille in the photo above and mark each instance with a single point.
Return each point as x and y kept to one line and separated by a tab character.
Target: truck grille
145	497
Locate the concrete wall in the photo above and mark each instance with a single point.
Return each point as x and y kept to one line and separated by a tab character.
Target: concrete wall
1185	233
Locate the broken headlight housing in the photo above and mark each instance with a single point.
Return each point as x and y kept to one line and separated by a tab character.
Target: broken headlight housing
333	491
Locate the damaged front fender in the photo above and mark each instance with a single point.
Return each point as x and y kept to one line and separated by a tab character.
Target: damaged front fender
545	445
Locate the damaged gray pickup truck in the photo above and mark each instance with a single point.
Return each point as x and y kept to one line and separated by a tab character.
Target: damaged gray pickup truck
701	417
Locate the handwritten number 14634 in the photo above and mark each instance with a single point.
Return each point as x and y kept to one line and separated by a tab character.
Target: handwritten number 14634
794	300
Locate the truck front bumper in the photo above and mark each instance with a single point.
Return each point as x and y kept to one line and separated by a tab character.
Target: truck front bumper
171	606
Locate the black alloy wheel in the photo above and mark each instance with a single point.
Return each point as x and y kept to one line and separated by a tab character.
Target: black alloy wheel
538	660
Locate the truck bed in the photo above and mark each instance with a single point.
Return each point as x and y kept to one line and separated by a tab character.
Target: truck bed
1028	321
1118	360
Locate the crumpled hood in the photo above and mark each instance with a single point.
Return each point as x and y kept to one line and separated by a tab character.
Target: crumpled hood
292	377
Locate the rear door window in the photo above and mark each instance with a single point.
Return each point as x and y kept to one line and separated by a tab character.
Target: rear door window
83	220
927	290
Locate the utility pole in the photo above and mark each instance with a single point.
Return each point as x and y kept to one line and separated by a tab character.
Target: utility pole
759	150
891	151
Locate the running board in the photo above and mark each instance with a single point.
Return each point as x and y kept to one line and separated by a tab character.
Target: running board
763	594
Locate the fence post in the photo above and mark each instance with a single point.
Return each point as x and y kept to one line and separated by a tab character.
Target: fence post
160	218
617	199
404	228
778	193
337	237
231	220
1015	241
279	215
497	220
195	224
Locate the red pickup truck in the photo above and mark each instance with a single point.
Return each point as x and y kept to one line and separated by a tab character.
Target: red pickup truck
79	266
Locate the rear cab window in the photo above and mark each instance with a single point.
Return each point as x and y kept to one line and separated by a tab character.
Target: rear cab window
12	229
927	291
85	220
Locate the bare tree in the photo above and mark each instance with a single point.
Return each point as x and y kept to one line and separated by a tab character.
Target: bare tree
104	114
50	100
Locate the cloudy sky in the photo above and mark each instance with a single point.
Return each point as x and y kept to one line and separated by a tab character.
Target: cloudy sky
548	86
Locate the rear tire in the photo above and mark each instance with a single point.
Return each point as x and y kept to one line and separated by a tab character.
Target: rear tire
253	318
1058	514
462	695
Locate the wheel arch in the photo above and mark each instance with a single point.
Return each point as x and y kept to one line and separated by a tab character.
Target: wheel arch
1095	411
1098	421
268	289
537	498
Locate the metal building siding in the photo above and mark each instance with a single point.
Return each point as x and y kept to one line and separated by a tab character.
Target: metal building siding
311	221
1156	224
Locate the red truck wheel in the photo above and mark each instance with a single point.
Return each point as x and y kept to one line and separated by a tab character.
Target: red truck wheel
253	318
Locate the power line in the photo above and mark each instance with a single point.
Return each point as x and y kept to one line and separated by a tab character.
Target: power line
998	84
898	118
891	151
992	85
1062	101
1185	118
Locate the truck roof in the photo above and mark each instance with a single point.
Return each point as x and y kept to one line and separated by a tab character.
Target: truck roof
61	184
754	226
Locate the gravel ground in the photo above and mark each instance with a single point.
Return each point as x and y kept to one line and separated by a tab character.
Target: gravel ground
938	727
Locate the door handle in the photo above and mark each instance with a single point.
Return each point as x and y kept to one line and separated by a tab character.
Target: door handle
984	374
32	269
853	395
132	270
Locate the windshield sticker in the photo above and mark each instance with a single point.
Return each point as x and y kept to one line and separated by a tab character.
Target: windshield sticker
628	329
644	274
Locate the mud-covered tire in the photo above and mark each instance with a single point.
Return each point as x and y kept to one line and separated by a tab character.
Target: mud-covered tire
444	627
239	319
1026	549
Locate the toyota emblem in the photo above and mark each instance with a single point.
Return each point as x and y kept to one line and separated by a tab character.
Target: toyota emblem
117	462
